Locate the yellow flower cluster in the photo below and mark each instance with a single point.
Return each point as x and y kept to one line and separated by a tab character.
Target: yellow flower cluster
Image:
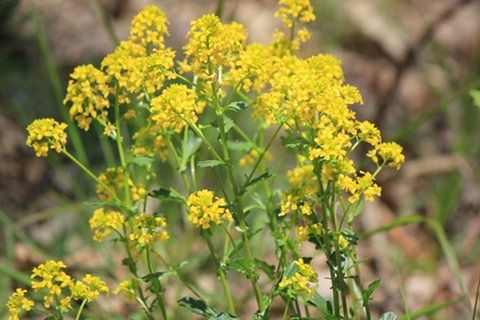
58	287
149	27
129	287
212	45
358	186
301	282
304	185
304	232
390	154
45	134
89	288
174	107
343	242
88	92
206	209
18	303
114	179
146	229
292	11
103	223
150	142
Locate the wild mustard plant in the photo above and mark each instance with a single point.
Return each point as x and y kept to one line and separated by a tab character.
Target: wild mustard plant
160	113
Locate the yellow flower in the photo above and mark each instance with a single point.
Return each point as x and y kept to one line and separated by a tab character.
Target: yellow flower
301	282
304	232
206	209
51	277
292	11
45	134
331	143
253	68
88	92
390	154
114	179
368	132
104	223
129	288
342	242
212	44
302	177
176	105
149	27
132	69
18	303
149	142
146	229
89	288
360	186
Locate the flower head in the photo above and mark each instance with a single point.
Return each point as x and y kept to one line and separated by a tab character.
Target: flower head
212	44
149	27
103	223
146	229
292	11
89	288
46	134
18	303
302	281
206	209
114	179
390	153
88	93
128	287
176	105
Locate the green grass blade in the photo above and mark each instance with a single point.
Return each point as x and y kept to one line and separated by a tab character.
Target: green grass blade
431	309
449	252
11	273
397	223
474	313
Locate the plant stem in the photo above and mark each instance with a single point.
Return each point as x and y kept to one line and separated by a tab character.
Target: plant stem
156	285
119	140
221	273
80	309
182	172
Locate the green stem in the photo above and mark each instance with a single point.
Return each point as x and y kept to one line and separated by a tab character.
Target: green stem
157	286
119	140
221	273
80	309
182	172
90	174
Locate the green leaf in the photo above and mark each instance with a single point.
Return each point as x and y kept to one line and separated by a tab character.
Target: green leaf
237	145
242	265
142	161
254	181
130	264
475	94
237	106
166	195
266	267
388	316
291	270
223	316
194	143
156	276
210	163
352	214
369	291
229	123
197	306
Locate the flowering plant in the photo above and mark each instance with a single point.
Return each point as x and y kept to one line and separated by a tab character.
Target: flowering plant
219	111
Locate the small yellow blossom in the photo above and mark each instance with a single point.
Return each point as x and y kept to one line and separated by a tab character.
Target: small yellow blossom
45	134
146	229
206	209
303	281
88	92
18	303
292	11
149	27
149	142
212	44
176	105
103	223
368	132
390	154
302	177
304	232
129	288
89	288
342	242
114	179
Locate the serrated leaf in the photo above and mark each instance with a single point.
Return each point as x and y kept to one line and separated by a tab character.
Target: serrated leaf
254	181
223	316
166	195
242	265
210	163
237	106
388	316
475	94
366	295
197	306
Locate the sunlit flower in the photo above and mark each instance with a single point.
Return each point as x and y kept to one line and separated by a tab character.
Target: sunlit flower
205	209
46	134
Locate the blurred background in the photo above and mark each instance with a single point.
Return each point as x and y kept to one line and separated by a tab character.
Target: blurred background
416	63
